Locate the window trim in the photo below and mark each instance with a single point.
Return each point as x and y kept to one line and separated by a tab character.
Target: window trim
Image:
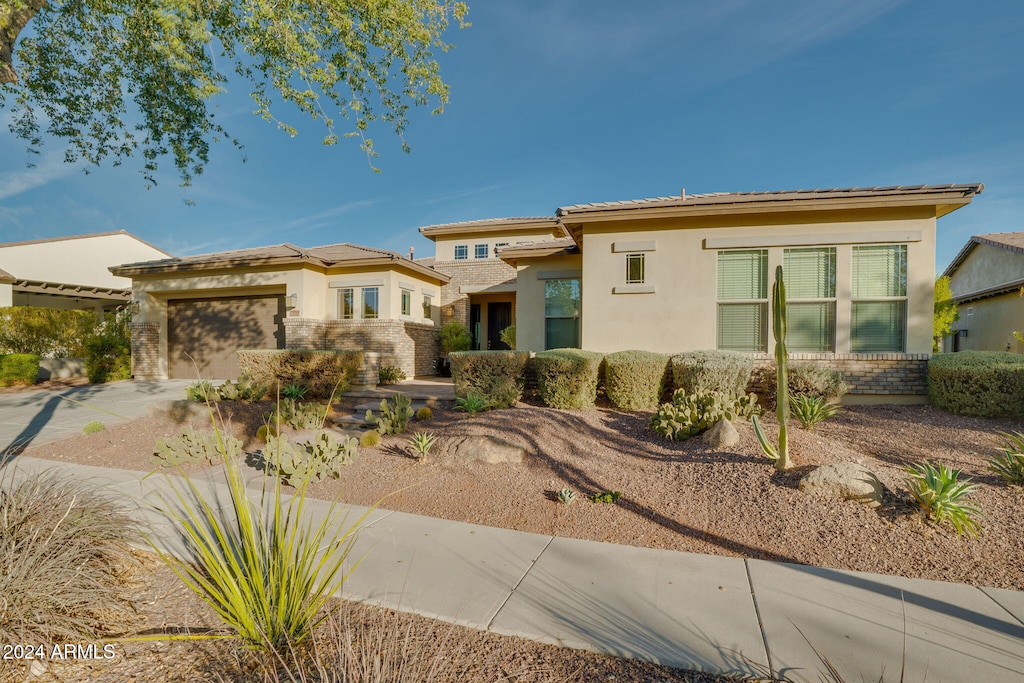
406	302
636	257
362	298
833	300
576	317
428	306
762	302
351	294
461	252
900	299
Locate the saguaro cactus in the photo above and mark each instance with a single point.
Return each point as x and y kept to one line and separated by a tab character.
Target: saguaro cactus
778	452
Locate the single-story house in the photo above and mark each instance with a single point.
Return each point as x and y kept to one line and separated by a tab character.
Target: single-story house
693	272
195	312
71	272
667	274
986	279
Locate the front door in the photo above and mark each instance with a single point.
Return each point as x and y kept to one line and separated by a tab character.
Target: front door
499	316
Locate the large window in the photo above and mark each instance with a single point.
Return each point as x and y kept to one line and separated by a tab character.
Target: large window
810	276
878	315
371	302
561	314
743	300
346	303
634	269
461	252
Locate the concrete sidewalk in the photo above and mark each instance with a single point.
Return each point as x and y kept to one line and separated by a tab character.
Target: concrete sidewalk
34	417
717	614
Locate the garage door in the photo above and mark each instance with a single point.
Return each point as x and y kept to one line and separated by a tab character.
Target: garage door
206	333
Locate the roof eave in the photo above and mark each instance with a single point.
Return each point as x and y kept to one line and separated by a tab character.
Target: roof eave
431	232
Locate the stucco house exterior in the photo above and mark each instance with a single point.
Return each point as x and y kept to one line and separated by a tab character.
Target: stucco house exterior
71	272
986	277
667	274
195	312
693	272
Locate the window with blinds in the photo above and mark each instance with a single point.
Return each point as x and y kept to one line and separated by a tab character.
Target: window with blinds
878	316
810	276
743	300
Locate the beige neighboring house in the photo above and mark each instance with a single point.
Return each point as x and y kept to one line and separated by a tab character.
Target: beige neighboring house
694	272
195	312
986	279
71	272
482	291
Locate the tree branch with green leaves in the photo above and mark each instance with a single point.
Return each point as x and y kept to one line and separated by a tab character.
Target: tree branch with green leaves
117	78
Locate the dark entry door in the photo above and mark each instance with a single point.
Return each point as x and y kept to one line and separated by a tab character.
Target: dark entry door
499	316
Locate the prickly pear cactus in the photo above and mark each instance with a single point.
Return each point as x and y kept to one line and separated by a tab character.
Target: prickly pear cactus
394	415
314	460
192	447
690	414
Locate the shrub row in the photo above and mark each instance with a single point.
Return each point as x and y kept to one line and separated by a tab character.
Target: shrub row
495	375
979	383
568	378
324	372
46	332
18	369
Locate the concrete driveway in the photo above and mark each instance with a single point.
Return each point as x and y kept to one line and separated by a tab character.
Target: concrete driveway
34	417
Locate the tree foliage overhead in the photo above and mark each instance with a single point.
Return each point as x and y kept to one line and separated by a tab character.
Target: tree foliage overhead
946	312
112	78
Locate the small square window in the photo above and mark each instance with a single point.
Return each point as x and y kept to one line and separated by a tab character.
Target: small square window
406	302
634	269
461	252
480	251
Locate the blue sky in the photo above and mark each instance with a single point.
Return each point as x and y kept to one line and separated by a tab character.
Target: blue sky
569	101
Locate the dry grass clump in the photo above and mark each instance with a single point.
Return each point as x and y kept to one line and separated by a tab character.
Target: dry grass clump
64	558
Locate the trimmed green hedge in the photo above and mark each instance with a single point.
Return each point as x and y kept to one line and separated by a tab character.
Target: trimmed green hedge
980	383
805	379
324	372
496	375
725	371
567	378
18	368
108	353
635	380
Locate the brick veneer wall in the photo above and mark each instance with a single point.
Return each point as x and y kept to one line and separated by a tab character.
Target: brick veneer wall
145	350
413	347
885	374
483	272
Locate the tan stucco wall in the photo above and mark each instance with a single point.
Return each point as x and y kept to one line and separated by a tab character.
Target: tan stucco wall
444	246
991	324
681	314
82	261
986	267
6	294
529	313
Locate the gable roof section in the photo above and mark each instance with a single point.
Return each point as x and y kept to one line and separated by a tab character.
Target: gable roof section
6	278
46	240
493	225
1010	241
326	256
951	196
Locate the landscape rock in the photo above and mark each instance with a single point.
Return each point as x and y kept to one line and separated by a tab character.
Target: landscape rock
722	435
848	480
489	449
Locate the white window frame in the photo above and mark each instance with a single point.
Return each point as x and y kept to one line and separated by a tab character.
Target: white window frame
406	308
641	258
831	347
362	300
428	306
762	302
901	299
351	293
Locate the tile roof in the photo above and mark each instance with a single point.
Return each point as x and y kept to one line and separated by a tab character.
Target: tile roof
541	245
489	224
1011	241
778	195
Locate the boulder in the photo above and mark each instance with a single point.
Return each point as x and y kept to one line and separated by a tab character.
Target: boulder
848	480
489	449
722	435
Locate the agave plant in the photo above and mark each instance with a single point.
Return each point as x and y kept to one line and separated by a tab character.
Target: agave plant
566	495
295	391
472	403
810	410
939	493
1010	465
421	443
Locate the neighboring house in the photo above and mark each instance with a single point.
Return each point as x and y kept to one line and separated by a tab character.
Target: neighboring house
195	312
70	272
482	292
682	273
986	279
